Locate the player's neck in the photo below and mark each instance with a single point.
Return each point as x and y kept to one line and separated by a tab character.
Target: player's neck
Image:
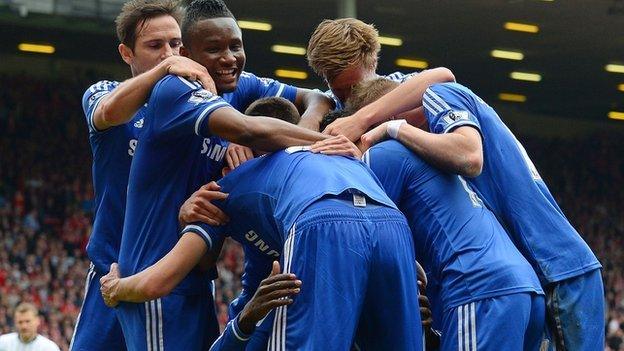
26	340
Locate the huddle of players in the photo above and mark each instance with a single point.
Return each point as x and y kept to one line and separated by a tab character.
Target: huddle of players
347	254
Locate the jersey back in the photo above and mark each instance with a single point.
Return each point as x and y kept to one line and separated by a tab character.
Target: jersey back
460	243
511	186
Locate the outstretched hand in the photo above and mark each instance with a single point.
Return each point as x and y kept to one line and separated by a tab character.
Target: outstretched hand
199	207
274	291
337	145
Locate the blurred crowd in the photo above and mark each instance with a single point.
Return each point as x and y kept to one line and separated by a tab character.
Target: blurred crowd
46	206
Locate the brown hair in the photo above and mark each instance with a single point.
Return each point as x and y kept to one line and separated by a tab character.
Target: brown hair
276	107
26	307
368	91
339	44
134	13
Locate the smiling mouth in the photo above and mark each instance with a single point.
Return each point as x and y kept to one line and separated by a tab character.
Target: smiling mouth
226	74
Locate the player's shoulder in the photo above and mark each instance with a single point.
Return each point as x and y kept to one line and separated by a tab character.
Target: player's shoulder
97	90
171	87
400	77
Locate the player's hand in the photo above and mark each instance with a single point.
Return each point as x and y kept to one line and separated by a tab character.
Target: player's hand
187	68
351	127
199	208
337	145
425	311
236	155
109	285
374	136
273	292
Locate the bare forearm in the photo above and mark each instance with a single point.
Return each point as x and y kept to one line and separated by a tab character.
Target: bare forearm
315	106
450	152
405	97
122	103
274	135
162	277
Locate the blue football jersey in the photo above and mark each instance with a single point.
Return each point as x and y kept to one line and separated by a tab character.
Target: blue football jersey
283	184
112	151
511	186
175	155
395	77
459	242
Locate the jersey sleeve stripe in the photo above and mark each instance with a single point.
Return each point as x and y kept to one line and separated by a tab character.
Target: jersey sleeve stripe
90	117
458	124
431	106
280	90
199	230
237	332
187	83
207	111
440	101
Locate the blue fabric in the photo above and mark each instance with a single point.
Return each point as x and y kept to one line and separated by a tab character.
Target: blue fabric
174	322
460	243
512	323
97	327
576	313
112	151
511	186
357	268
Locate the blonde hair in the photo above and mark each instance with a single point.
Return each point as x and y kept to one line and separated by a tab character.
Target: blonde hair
368	91
339	44
26	307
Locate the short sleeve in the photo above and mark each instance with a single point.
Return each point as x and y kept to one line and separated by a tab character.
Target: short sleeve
446	110
209	233
268	87
181	107
92	98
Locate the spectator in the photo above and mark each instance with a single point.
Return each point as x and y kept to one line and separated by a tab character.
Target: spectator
26	338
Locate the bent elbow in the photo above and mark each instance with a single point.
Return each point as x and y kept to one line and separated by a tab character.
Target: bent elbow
446	74
473	165
108	116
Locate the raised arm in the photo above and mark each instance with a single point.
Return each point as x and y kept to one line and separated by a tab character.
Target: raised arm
121	104
405	97
314	105
259	133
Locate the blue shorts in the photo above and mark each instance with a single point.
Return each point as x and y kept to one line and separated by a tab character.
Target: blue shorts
576	317
174	322
358	271
507	322
97	327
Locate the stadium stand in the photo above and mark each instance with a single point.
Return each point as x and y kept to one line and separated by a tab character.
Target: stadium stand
46	205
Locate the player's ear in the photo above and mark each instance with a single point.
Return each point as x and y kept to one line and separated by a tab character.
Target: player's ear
126	53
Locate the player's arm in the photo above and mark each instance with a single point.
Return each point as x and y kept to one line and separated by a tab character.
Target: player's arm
458	152
273	292
160	278
121	104
405	97
314	105
259	133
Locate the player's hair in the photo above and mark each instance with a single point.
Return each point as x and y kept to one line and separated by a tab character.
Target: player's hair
331	116
26	307
276	107
368	91
199	10
135	13
339	44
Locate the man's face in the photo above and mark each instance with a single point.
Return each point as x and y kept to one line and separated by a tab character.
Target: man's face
158	38
342	83
217	44
27	324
